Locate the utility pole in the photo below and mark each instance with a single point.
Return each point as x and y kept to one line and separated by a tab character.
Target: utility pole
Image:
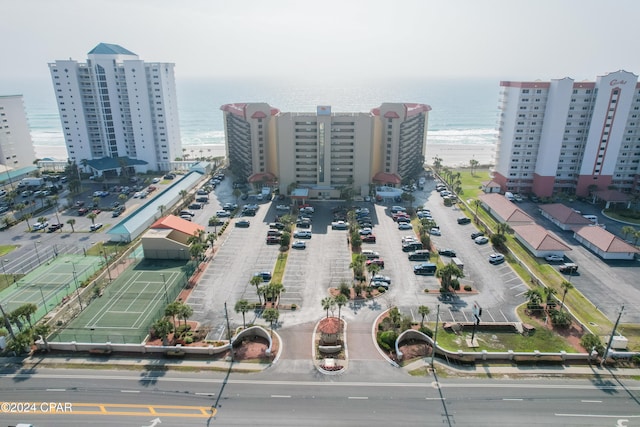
613	333
226	316
435	339
477	312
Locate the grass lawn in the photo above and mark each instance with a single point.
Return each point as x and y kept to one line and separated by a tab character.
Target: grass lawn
542	340
278	270
5	249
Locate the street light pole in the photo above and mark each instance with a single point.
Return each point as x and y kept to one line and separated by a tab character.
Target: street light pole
44	302
435	339
106	260
164	283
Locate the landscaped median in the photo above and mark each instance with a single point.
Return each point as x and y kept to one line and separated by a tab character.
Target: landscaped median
330	354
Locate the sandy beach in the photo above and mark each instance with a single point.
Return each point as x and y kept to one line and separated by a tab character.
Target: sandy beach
451	155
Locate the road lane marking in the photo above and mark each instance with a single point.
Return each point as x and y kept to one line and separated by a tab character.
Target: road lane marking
591	401
56	389
516	400
597	416
282	396
358	397
129	391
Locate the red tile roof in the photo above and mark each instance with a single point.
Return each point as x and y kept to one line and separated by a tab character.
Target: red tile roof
506	210
603	240
387	178
539	238
176	223
330	325
564	214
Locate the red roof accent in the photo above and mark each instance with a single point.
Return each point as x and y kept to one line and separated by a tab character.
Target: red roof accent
612	196
236	109
413	109
264	176
391	115
387	178
604	240
375	111
564	214
258	115
176	223
275	111
539	238
330	325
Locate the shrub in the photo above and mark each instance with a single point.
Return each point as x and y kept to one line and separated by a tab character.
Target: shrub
345	290
381	290
589	341
428	332
561	319
188	340
386	340
294	306
467	288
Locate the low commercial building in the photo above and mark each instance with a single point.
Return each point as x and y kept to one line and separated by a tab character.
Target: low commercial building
604	244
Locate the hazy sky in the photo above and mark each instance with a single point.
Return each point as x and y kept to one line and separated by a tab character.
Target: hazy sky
503	39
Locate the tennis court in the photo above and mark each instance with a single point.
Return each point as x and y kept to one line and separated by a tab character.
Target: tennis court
129	305
49	284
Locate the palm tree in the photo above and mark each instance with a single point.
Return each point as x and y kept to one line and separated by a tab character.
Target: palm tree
276	290
122	198
26	311
96	202
242	306
535	298
211	238
196	250
447	273
161	208
328	303
162	328
26	218
423	311
42	219
437	164
43	330
71	222
92	216
184	194
214	221
627	230
257	281
373	269
173	310
566	286
271	315
503	228
341	300
185	312
476	203
474	164
548	294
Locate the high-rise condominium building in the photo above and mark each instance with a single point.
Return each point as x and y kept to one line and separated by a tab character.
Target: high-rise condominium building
16	146
326	152
568	136
118	108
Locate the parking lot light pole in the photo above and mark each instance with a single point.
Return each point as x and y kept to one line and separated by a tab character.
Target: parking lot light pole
75	279
435	339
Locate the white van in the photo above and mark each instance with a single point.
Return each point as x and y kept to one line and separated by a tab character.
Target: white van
592	218
509	196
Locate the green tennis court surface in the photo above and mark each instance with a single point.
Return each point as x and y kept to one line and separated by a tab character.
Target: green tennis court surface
49	284
129	305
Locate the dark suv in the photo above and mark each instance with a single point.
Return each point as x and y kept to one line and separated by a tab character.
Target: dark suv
464	220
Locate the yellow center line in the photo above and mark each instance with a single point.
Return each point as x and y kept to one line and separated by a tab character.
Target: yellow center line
119	409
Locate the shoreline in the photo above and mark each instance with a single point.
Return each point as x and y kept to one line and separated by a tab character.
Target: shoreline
452	155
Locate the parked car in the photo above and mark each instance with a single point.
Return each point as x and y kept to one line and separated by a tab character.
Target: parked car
54	227
264	275
379	262
435	232
365	231
481	240
381	278
40	226
447	252
419	255
370	238
82	211
569	268
464	220
496	258
425	268
222	214
378	284
476	234
96	226
186	212
404	226
299	244
368	254
302	234
243	223
339	225
230	207
554	258
277	225
273	240
282	207
195	205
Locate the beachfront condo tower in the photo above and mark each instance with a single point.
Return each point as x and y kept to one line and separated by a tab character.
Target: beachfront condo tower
323	153
16	146
117	111
565	136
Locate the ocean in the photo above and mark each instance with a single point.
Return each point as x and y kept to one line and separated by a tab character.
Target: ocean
464	112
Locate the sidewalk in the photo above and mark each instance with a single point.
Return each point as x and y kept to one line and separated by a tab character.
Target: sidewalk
498	370
113	362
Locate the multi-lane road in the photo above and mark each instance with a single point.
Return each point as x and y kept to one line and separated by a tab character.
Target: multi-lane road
75	398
